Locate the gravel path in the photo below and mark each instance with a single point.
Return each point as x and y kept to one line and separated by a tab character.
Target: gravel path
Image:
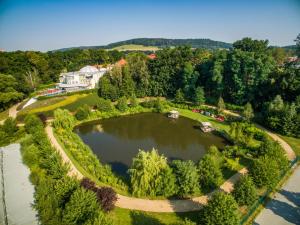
176	205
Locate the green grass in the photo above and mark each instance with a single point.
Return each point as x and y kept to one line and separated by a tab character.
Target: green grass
4	115
133	217
133	47
202	118
293	142
90	100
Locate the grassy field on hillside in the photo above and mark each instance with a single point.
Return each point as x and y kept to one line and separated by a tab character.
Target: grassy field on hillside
135	48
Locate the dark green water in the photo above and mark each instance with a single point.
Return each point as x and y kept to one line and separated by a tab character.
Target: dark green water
117	140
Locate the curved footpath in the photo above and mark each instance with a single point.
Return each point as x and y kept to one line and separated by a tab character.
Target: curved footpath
176	205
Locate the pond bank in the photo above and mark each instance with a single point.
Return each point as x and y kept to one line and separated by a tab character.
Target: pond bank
16	189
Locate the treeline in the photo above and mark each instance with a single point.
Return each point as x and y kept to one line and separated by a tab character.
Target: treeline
22	72
251	73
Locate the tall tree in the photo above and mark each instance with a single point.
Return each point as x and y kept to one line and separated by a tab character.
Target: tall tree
248	112
199	97
221	209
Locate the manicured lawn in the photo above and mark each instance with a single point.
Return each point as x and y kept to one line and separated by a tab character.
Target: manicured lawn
132	217
293	142
90	99
199	117
4	115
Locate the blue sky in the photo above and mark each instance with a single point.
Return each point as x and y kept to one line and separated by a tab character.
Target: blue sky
51	24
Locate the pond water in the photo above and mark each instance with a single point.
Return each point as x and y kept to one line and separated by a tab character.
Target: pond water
117	140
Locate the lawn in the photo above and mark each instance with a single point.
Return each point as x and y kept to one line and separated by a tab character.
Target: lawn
293	142
199	117
135	48
133	217
90	100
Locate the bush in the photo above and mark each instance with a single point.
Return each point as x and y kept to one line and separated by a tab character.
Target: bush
10	126
63	119
82	113
244	191
148	104
104	105
32	122
221	209
107	197
158	106
187	177
88	184
122	104
210	174
265	172
133	101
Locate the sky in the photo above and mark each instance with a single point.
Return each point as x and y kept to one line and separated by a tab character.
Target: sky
44	25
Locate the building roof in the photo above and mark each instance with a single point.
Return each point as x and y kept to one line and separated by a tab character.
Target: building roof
121	62
88	69
62	85
152	56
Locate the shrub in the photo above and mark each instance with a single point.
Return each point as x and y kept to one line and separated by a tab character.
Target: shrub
265	172
210	174
63	119
88	184
104	105
32	122
83	112
187	177
10	126
133	101
158	106
122	104
221	209
107	197
244	191
148	104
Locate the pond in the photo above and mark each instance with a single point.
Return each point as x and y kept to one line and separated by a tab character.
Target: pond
117	140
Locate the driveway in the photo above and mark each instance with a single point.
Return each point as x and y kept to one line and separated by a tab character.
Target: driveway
284	208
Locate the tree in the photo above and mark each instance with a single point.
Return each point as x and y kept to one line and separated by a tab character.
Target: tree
63	119
248	112
244	191
83	112
221	209
179	97
32	78
122	104
187	177
158	106
8	92
220	105
199	97
210	174
297	40
249	45
133	101
104	105
32	123
10	126
148	174
265	172
107	90
81	208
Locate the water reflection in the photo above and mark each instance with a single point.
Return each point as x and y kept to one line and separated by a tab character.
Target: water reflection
117	140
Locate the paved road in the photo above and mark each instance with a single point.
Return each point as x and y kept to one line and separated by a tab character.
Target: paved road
17	189
284	208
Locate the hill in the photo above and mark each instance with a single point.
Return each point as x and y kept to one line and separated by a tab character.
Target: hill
159	43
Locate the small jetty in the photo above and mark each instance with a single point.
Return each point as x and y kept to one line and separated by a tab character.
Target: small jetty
173	114
206	127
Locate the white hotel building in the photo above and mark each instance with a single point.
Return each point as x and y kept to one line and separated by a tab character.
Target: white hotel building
86	78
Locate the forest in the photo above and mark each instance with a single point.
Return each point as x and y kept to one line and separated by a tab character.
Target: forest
250	72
